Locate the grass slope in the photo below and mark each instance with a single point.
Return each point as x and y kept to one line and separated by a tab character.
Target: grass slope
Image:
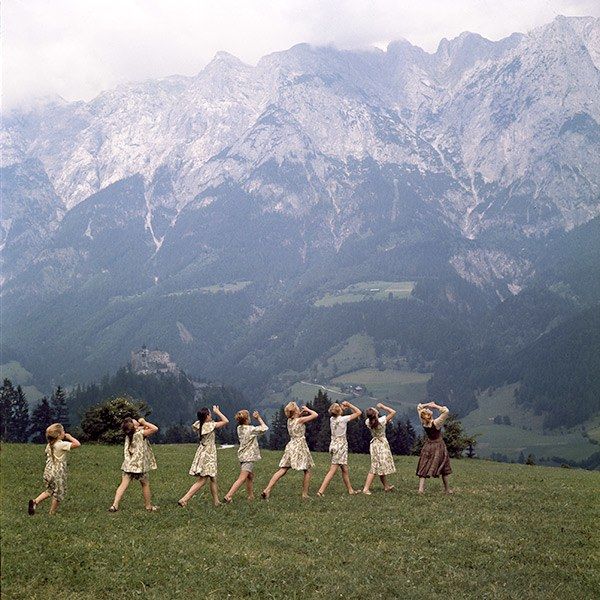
367	290
515	438
510	531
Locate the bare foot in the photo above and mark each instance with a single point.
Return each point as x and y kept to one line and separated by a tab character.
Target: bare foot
320	494
355	492
182	503
250	498
390	488
305	497
367	492
448	491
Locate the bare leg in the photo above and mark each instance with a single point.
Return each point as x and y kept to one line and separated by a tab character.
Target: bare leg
447	489
196	487
237	484
386	486
422	485
147	494
42	497
276	477
346	479
368	482
328	477
250	486
214	490
306	483
54	506
121	490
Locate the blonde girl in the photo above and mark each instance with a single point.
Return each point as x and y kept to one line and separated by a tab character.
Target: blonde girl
434	459
55	472
248	452
204	465
338	447
138	460
296	454
382	461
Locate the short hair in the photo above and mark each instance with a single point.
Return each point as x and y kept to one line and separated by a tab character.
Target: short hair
335	409
242	417
289	409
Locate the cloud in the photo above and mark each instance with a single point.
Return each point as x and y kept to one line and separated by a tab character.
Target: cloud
77	48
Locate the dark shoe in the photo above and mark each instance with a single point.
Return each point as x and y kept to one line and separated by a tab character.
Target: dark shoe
31	508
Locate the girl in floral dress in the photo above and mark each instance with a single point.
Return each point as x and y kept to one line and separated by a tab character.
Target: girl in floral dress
138	460
248	452
338	447
204	465
296	454
434	459
382	462
55	472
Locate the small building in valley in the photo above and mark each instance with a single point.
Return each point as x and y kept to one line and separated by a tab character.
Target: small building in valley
145	362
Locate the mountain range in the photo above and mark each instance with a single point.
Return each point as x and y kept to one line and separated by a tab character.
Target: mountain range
209	214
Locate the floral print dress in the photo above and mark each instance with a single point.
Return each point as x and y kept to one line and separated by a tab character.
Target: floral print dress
55	471
382	461
138	458
205	460
296	454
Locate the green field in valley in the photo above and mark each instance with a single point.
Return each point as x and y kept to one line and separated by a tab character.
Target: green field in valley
367	290
524	434
509	531
402	389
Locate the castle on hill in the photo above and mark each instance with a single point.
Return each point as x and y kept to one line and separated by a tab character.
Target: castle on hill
146	362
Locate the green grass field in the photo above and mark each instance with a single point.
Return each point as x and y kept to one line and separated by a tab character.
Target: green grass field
367	290
514	439
401	389
509	531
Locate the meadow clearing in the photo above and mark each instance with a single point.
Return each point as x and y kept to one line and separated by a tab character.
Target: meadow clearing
509	531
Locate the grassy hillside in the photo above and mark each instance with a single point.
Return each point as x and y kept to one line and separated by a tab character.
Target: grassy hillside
525	432
509	531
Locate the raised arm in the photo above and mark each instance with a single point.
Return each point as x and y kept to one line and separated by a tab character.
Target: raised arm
149	428
356	412
391	413
262	426
444	412
309	415
74	443
223	419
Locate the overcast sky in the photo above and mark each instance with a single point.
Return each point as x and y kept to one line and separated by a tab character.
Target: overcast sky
77	48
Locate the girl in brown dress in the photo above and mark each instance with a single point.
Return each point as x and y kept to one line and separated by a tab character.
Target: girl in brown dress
296	454
204	465
138	460
434	459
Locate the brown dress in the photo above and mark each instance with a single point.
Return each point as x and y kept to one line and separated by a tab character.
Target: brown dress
434	460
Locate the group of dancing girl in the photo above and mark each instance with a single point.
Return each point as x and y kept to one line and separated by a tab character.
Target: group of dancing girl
138	458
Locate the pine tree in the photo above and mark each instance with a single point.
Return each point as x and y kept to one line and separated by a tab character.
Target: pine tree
7	394
530	460
278	433
317	431
19	427
455	438
60	412
402	438
41	417
521	459
359	437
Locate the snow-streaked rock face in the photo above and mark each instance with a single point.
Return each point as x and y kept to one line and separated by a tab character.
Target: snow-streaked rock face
487	136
